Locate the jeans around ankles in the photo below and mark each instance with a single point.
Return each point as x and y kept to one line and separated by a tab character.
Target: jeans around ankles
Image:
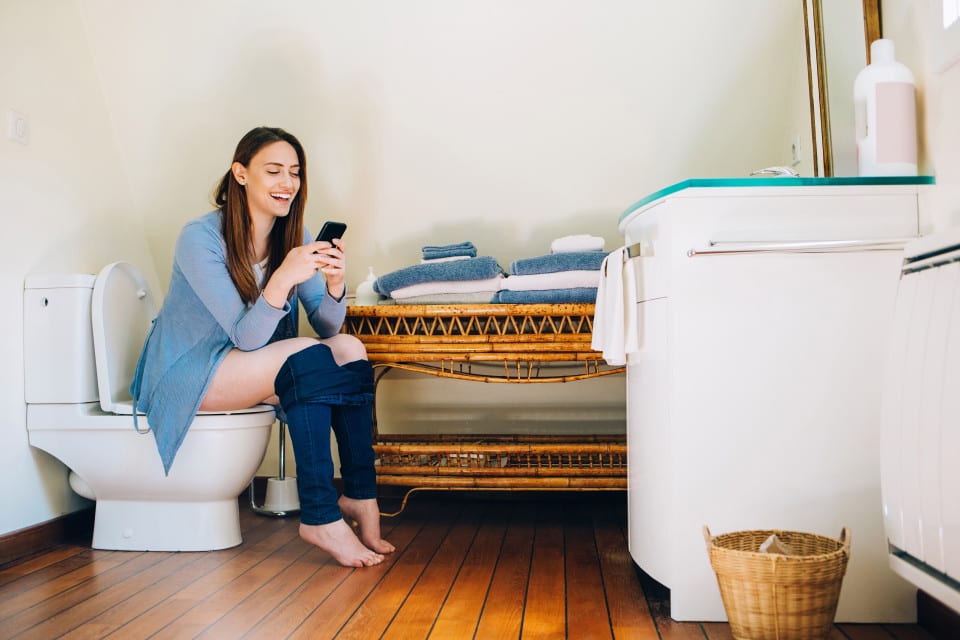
316	393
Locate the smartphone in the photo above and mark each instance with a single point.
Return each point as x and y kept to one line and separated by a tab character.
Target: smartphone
331	230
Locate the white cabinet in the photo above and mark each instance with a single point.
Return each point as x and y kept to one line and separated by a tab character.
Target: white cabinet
754	401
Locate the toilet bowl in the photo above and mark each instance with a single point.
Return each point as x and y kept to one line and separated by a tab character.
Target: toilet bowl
82	338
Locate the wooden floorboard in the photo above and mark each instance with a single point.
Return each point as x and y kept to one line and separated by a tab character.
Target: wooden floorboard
481	566
335	609
382	604
460	611
502	615
416	616
626	600
544	613
586	598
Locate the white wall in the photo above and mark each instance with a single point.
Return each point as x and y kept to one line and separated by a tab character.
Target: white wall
913	26
66	207
430	121
504	122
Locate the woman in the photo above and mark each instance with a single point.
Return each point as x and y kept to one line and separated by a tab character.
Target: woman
226	339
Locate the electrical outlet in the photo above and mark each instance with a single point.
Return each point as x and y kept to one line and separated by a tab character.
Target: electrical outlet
18	127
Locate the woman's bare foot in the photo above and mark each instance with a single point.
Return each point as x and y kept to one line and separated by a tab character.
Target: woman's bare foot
367	515
339	540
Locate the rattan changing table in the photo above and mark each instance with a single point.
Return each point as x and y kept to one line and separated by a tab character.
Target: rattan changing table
445	341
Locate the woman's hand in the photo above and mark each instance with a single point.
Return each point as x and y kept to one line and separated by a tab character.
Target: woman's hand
303	263
334	266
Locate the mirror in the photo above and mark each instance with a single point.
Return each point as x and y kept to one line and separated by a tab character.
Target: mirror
836	52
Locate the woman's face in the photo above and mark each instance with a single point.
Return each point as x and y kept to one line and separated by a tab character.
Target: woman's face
271	180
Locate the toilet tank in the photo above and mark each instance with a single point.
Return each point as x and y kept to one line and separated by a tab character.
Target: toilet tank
58	355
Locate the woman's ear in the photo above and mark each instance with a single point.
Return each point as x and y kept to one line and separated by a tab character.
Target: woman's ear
239	173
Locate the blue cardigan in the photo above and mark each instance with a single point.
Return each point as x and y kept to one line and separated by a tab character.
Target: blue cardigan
201	320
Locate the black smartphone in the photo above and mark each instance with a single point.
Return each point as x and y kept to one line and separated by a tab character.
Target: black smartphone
331	230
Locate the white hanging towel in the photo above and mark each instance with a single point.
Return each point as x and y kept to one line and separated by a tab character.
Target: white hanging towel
615	330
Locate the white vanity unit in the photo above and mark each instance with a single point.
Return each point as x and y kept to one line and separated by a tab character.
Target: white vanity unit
764	306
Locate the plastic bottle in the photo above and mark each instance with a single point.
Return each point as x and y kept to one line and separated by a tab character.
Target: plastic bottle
884	97
365	295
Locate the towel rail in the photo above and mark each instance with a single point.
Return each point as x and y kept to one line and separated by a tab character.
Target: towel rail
816	246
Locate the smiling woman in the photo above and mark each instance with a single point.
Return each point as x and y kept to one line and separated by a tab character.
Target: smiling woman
226	339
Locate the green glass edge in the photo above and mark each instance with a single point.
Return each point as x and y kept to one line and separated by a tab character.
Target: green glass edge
785	181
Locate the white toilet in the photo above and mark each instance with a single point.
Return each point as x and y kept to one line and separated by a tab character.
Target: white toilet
82	338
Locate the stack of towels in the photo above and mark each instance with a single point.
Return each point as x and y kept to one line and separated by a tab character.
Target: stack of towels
447	274
453	274
570	273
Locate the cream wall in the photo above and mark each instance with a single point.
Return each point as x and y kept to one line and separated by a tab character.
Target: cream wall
66	207
425	121
428	121
913	27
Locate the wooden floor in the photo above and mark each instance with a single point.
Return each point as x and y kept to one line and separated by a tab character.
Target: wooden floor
544	566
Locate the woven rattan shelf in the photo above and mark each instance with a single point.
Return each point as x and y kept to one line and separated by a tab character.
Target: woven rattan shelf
528	340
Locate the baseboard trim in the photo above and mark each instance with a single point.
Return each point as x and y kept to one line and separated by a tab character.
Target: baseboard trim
72	528
942	622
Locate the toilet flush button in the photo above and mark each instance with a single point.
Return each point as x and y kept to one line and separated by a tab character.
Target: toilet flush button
127	533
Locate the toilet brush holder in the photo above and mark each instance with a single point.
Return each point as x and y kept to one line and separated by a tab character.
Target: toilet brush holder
281	495
282	499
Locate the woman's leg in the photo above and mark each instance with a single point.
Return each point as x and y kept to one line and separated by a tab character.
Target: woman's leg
321	517
308	385
247	378
353	426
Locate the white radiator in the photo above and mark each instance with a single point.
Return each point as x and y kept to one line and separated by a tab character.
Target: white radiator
920	478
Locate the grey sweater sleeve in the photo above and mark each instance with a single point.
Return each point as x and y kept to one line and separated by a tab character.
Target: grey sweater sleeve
200	255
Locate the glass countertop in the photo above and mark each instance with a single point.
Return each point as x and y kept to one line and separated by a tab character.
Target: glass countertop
778	181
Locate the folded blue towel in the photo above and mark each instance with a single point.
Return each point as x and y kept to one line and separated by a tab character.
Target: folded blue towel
573	261
432	252
469	269
548	296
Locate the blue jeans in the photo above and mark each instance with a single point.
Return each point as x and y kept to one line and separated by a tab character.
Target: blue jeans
316	393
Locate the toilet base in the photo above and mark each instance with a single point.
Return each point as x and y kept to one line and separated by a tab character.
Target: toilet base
124	525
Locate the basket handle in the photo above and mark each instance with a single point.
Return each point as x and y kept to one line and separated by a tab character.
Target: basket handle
707	537
845	539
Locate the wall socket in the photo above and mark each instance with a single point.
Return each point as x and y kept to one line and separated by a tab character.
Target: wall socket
18	127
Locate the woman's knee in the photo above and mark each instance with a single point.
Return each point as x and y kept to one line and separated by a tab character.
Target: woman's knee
346	348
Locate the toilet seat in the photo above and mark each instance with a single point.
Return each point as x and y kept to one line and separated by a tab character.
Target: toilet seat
125	408
118	336
122	288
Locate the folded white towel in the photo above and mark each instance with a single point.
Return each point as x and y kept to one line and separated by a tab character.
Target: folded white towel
447	286
580	242
477	297
615	319
555	280
447	259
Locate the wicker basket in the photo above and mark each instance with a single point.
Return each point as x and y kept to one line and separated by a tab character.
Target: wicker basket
770	596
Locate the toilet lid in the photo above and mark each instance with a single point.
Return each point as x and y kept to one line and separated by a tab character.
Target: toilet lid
122	311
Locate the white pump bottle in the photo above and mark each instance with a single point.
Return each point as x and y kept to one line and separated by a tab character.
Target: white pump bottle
365	295
884	97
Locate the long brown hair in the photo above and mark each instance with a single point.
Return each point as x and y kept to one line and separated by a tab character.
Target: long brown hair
237	227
